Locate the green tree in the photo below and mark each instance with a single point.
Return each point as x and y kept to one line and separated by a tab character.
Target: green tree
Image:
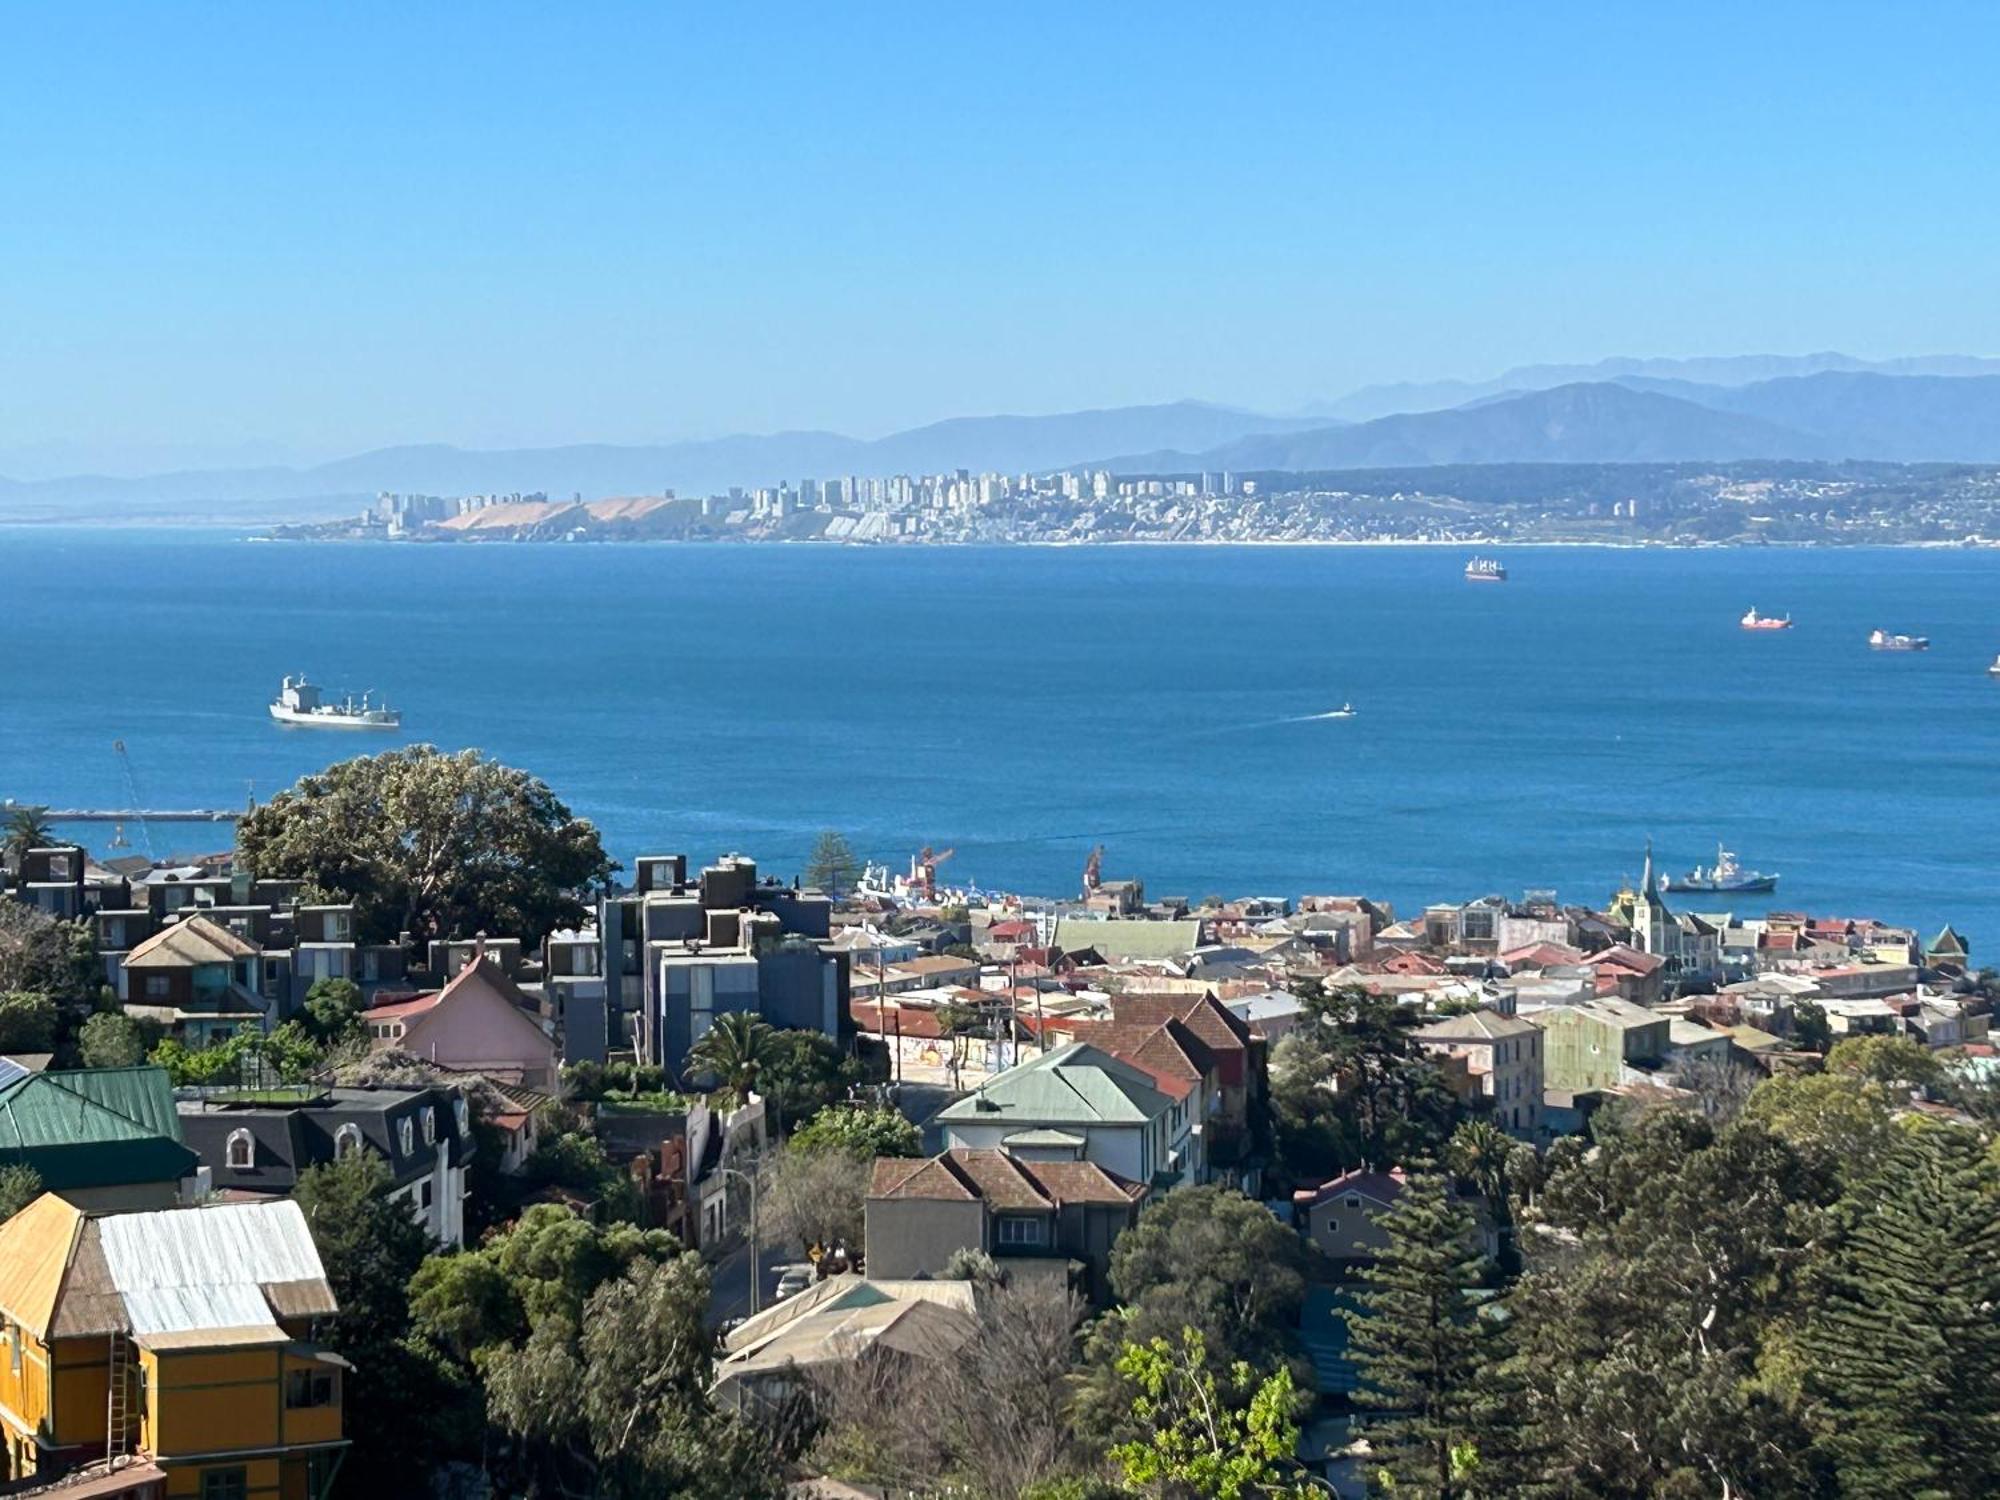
805	1072
27	1022
1423	1350
618	1405
1226	1437
1350	1086
432	844
1893	1061
1482	1154
370	1246
1810	1027
1210	1259
19	1186
1903	1348
333	1011
733	1053
1840	1120
808	1198
867	1133
111	1040
25	828
832	866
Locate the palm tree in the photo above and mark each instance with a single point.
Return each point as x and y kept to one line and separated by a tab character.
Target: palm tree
734	1052
27	828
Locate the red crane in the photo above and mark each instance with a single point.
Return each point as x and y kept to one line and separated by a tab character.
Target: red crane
923	870
1093	870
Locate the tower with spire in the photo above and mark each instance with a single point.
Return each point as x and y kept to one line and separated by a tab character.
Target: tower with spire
1653	927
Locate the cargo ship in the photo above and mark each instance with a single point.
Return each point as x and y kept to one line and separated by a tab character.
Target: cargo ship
1724	875
300	702
1485	570
1882	640
1754	621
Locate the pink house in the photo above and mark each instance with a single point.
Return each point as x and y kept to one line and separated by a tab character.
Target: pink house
479	1023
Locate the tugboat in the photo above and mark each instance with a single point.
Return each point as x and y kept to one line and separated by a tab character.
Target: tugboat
1754	621
1485	570
1724	875
1882	640
300	702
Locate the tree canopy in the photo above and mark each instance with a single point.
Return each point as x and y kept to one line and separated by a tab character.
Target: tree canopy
430	844
867	1133
833	866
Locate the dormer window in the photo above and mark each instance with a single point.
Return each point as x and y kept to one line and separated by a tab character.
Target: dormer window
347	1140
462	1115
406	1136
241	1152
430	1127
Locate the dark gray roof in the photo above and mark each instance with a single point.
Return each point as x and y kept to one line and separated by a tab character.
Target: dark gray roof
289	1138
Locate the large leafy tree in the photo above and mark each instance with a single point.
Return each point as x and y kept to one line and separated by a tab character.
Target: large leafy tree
733	1054
42	956
1426	1355
867	1133
1227	1437
111	1040
432	844
1351	1087
805	1072
1902	1350
19	1186
27	1022
616	1404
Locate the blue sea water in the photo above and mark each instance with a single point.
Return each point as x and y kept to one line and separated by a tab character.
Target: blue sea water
1021	705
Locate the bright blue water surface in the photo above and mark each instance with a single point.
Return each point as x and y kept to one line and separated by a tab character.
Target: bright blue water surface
1024	704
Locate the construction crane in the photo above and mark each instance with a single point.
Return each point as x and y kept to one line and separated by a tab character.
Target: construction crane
923	870
138	803
1093	870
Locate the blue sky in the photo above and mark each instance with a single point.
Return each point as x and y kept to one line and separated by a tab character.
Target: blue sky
295	231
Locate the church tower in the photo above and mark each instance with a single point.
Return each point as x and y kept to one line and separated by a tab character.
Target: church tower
1653	928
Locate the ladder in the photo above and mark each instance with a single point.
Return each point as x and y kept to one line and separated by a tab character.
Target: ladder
118	1403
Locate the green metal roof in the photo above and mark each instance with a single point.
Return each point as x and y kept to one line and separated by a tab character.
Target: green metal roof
77	1129
1124	938
1073	1085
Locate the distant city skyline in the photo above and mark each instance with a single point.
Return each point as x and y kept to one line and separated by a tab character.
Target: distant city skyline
261	236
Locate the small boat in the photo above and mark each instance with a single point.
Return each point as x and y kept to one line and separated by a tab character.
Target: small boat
1882	640
1724	875
1994	670
1345	711
1485	570
301	702
1754	621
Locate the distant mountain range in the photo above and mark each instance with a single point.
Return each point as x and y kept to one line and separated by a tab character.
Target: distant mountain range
1009	444
1906	419
1945	408
1727	370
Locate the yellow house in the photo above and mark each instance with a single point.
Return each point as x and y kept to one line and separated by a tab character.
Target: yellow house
168	1350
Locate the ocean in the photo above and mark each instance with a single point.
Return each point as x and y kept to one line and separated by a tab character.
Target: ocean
1021	705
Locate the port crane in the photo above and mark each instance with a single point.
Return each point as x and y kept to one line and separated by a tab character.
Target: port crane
1093	870
923	870
118	839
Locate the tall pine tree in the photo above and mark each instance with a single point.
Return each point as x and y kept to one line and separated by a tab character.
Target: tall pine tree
1432	1367
1904	1353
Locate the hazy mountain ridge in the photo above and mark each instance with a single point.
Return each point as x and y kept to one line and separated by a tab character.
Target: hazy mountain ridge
1009	443
1584	423
1374	401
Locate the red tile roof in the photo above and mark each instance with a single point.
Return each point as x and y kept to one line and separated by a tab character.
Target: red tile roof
1000	1179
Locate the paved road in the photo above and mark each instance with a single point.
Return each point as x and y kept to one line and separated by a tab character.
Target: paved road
729	1294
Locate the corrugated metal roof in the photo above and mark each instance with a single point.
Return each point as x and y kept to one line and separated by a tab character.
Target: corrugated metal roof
181	1269
79	1130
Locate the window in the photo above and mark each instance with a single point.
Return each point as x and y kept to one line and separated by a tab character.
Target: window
462	1115
1354	1203
242	1151
1018	1230
225	1484
159	986
430	1127
406	1136
347	1140
338	926
307	1388
424	1196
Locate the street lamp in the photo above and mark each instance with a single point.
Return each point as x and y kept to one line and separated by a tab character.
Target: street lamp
755	1278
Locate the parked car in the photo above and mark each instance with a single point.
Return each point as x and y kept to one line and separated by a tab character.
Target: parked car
792	1281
